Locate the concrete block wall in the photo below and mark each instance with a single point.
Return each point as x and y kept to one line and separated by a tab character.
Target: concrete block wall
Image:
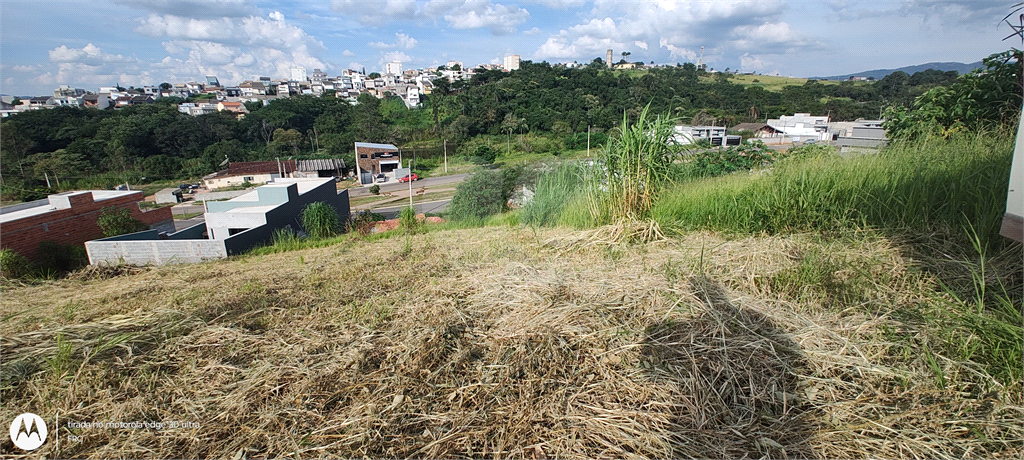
158	252
74	222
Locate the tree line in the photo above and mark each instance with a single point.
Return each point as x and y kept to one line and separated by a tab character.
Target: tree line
85	147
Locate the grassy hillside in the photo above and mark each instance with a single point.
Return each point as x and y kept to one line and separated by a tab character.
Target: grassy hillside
519	342
774	83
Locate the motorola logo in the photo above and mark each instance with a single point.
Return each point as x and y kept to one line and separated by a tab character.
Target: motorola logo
28	431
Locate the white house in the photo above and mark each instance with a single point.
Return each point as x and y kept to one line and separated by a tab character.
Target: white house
802	126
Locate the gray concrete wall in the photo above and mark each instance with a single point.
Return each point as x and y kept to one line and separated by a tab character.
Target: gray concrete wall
157	252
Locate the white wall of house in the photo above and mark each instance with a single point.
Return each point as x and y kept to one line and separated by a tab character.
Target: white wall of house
228	181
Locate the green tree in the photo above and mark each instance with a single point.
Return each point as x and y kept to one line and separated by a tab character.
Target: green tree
482	194
116	221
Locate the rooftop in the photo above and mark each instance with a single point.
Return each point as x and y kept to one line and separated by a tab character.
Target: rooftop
45	206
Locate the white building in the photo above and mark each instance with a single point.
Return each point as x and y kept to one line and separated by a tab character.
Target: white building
803	126
298	74
412	97
393	68
512	62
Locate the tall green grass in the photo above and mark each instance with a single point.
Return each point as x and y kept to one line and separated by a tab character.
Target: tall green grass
931	185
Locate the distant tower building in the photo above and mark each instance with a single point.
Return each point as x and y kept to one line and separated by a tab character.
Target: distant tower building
608	60
512	62
393	68
298	74
211	80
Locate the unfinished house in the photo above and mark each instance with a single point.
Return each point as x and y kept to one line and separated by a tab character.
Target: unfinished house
375	159
252	172
231	227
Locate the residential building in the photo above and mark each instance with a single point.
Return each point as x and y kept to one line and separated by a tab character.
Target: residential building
211	80
70	218
235	107
864	136
760	130
298	74
393	68
253	172
40	102
512	62
318	76
197	108
229	228
412	97
334	167
802	127
98	101
716	135
67	91
374	159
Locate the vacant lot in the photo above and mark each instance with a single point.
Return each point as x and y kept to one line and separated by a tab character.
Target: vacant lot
511	342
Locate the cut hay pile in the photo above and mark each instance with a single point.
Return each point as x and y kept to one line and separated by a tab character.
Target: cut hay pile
496	343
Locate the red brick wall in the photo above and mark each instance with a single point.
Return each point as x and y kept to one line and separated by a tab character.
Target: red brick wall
71	226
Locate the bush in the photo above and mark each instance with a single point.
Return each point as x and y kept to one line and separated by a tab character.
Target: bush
61	258
716	162
116	221
482	194
320	220
485	155
375	189
13	265
364	221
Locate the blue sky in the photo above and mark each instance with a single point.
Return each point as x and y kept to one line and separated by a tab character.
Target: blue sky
134	43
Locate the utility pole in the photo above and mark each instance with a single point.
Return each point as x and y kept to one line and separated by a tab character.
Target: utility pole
48	179
446	156
588	141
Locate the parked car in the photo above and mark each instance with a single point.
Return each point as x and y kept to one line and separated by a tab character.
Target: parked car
382	178
409	177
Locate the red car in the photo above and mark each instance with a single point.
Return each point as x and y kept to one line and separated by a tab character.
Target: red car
409	177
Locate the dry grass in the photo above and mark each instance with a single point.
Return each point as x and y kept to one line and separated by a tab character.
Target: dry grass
502	343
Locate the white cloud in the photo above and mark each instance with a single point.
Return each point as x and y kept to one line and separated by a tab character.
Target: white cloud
679	28
347	53
475	14
90	55
235	49
402	41
532	32
392	56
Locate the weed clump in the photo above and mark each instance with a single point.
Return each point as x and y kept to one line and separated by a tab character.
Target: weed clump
320	220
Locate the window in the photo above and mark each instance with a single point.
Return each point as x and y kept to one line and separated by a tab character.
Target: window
235	231
362	155
247	178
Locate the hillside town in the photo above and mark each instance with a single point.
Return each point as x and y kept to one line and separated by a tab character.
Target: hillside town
214	96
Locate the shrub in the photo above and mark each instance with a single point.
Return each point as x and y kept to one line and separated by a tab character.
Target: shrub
116	221
482	194
485	155
13	265
375	189
365	220
320	220
716	162
61	258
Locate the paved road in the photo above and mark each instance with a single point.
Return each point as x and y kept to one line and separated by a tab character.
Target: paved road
394	186
421	208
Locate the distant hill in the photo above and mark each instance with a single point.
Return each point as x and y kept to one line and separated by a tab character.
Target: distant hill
879	74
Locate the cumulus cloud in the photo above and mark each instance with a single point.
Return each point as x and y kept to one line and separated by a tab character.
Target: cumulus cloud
474	14
347	53
233	48
734	27
532	32
90	55
402	41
